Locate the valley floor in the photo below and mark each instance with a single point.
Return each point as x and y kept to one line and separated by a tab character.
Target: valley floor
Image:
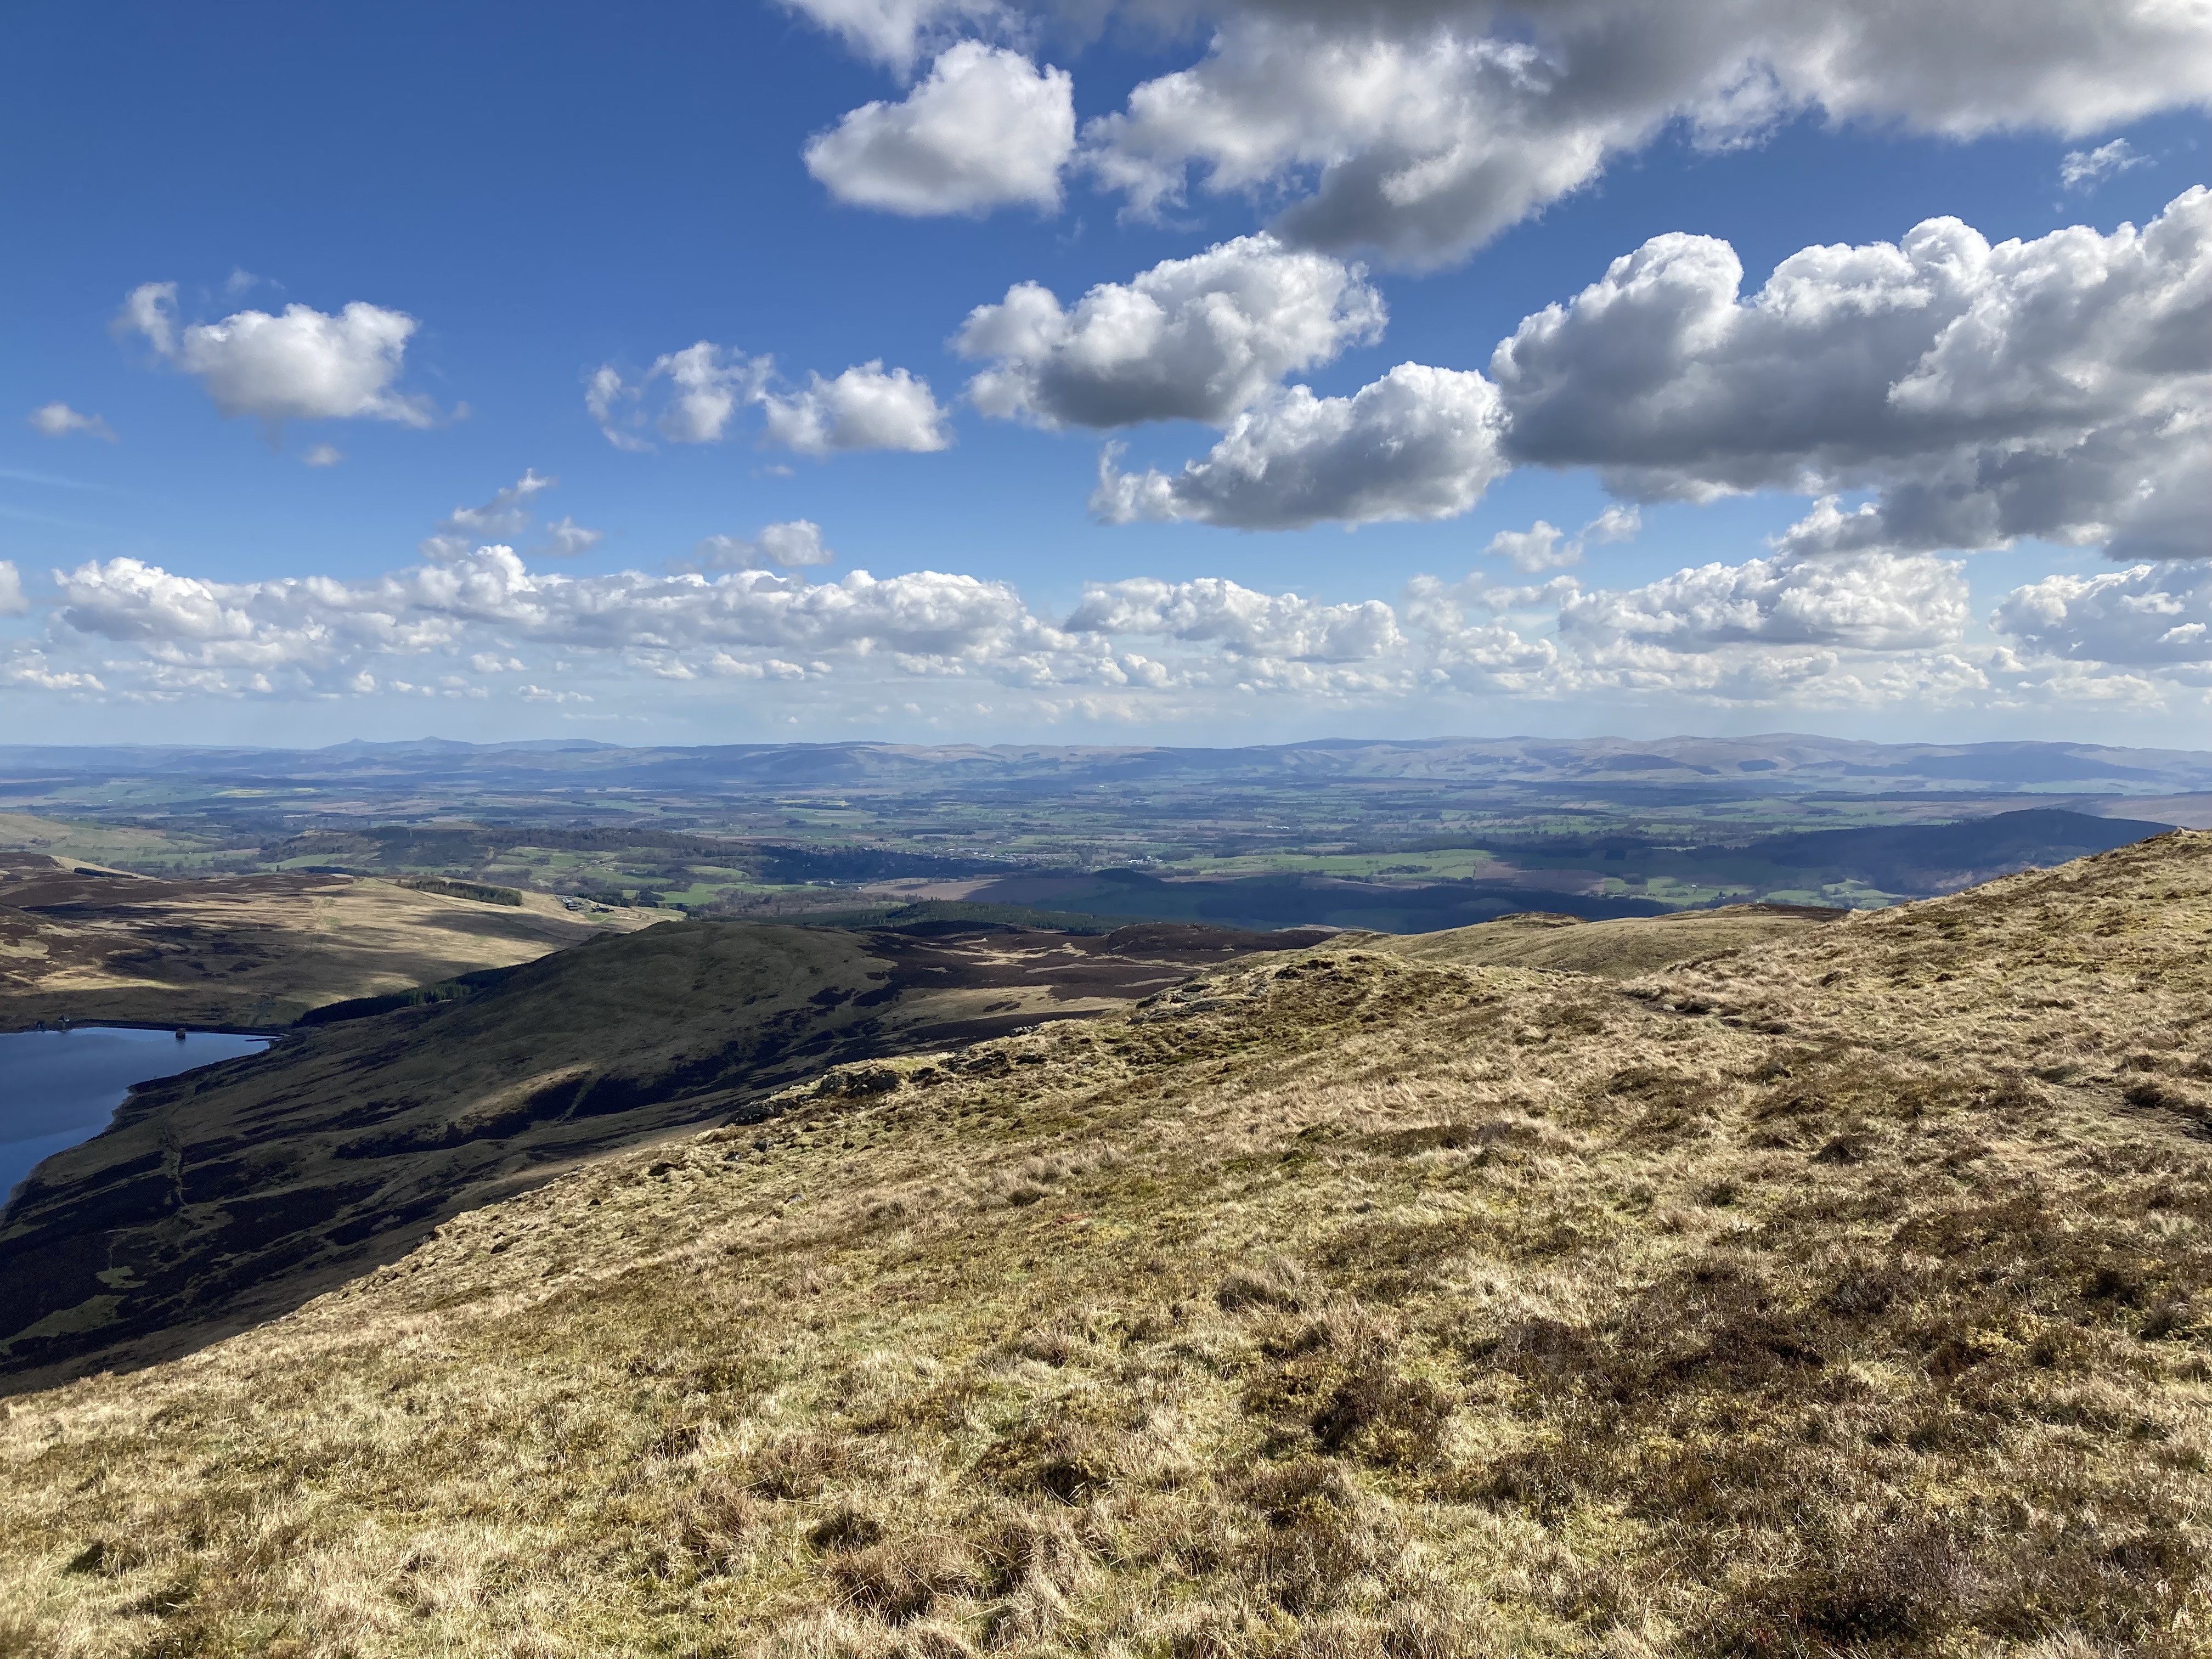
1841	1293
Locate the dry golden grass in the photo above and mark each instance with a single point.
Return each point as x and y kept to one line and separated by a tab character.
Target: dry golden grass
1839	1295
1615	949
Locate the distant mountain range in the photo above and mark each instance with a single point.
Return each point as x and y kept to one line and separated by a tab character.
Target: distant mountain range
1785	762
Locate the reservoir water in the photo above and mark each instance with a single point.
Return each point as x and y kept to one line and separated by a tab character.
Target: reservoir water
58	1088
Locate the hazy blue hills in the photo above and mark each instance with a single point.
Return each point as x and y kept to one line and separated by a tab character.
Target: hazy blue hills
1781	761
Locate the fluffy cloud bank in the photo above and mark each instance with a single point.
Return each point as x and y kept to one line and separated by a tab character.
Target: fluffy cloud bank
1785	631
310	635
303	365
2052	387
458	629
1871	601
476	618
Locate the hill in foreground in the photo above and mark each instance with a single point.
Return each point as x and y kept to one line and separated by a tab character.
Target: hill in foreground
1839	1293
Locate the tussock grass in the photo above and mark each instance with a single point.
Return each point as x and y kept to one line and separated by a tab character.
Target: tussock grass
1843	1294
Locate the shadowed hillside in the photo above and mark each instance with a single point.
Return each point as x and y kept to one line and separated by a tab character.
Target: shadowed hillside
1940	858
1840	1293
222	1194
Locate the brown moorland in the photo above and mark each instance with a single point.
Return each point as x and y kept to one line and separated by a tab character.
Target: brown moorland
1843	1293
85	943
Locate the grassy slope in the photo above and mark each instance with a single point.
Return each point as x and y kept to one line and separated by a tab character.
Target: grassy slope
1841	1295
1616	949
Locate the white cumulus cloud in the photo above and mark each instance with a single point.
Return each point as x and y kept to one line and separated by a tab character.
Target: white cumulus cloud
1197	339
1420	443
302	365
58	420
867	407
2056	387
316	632
986	129
13	602
29	671
1978	393
707	392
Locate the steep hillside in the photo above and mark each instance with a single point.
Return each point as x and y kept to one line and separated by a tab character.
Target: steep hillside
1845	1293
85	943
224	1193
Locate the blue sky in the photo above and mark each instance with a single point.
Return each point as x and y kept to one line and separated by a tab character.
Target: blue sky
540	194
